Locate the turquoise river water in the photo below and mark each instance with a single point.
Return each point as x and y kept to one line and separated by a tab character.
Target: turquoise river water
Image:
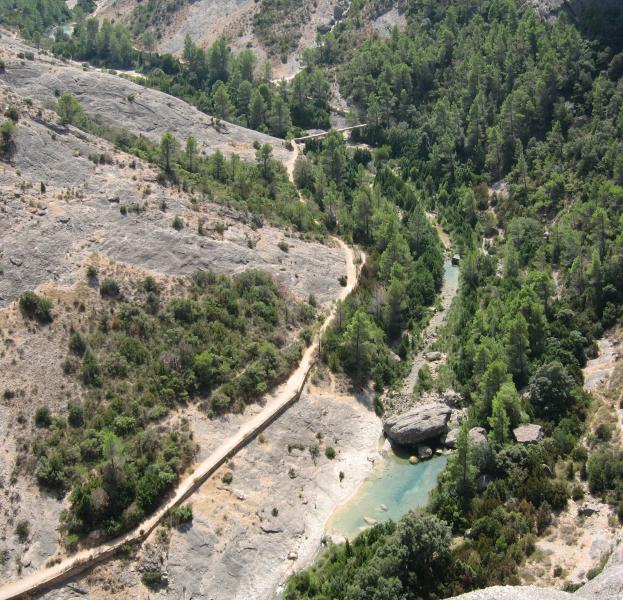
394	487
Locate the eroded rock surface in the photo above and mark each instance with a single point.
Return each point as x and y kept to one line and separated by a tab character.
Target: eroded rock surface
47	236
247	536
117	102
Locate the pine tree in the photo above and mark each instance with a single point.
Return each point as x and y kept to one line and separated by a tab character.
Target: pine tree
517	349
257	110
190	153
168	149
499	422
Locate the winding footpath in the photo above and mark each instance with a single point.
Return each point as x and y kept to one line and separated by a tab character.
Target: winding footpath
276	403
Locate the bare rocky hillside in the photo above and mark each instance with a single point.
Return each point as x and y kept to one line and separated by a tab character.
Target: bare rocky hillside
207	20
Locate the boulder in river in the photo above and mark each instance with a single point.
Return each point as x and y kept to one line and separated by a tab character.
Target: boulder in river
424	452
422	423
528	434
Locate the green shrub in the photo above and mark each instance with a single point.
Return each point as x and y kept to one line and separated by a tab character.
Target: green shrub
77	343
152	579
577	493
12	113
91	372
43	417
22	531
177	224
329	452
109	289
35	307
180	514
7	137
314	451
603	432
91	274
75	414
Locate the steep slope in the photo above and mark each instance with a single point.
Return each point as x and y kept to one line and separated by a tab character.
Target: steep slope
608	585
120	103
206	20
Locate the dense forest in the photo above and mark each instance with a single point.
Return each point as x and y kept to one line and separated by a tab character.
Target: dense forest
469	94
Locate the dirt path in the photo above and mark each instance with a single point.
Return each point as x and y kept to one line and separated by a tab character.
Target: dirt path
448	292
292	161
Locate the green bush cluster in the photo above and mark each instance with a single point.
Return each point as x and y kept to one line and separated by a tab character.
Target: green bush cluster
411	559
221	343
36	307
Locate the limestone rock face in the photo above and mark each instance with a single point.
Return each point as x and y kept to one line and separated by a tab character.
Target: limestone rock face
528	592
528	434
424	422
608	585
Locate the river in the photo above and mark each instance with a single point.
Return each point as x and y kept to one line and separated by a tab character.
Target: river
394	487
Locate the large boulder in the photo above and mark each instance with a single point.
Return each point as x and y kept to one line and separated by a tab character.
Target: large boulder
528	434
424	422
452	398
477	435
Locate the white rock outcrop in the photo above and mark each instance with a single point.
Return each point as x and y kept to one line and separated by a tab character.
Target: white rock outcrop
528	434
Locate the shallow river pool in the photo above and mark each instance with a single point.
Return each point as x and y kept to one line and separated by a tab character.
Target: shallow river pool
393	488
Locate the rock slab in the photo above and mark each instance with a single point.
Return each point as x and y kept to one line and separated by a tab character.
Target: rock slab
528	434
419	424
